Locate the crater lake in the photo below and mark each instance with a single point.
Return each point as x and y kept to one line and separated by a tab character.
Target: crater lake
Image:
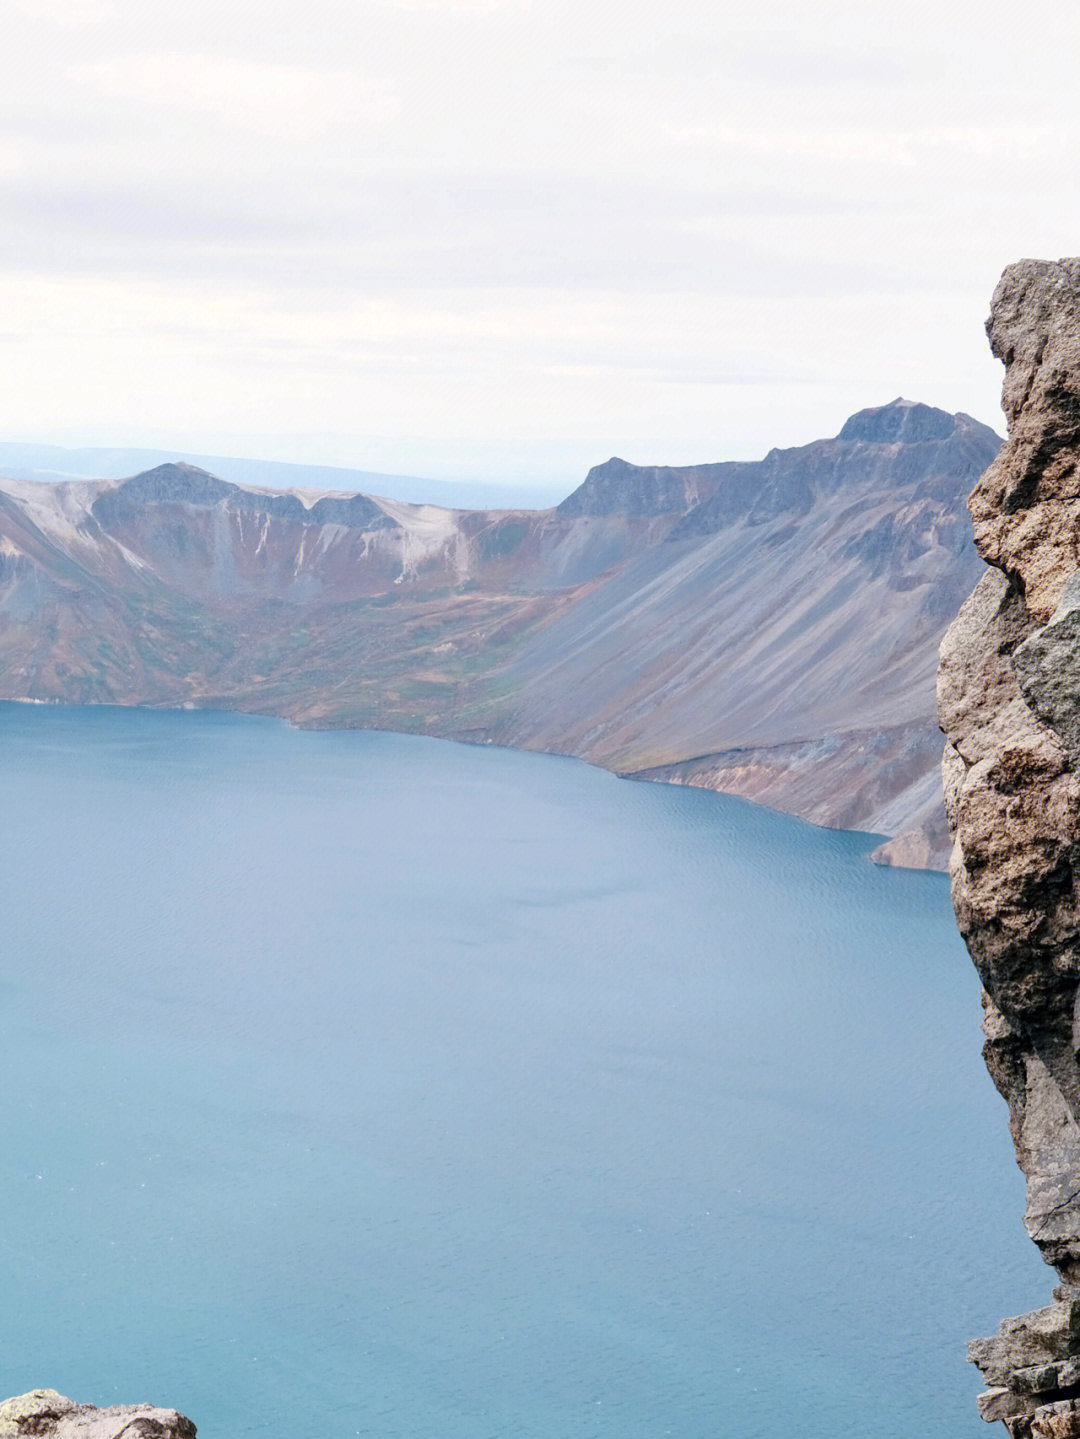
360	1084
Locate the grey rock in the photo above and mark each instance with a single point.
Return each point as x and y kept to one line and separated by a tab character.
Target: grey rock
1047	1378
1057	1421
45	1414
1028	1339
1009	703
1047	667
1001	1403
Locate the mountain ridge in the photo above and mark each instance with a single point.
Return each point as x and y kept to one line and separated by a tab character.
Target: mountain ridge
662	621
24	460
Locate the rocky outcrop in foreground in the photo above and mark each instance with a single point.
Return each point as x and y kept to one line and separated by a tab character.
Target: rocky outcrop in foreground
1009	703
45	1414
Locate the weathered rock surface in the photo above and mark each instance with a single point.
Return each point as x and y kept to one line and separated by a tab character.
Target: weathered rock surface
45	1414
1009	703
1056	1421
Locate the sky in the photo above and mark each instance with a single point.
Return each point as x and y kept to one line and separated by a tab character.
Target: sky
499	240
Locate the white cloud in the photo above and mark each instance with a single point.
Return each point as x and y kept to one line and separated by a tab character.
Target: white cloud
286	102
454	7
687	229
833	147
68	13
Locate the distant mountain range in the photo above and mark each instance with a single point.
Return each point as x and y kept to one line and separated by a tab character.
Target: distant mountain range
764	628
21	461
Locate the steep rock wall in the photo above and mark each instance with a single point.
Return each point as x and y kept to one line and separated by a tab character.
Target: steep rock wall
1009	703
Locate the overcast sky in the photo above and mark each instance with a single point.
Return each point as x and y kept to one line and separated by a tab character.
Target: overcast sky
506	240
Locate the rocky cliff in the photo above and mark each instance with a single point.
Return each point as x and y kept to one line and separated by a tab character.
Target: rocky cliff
45	1414
1009	703
766	628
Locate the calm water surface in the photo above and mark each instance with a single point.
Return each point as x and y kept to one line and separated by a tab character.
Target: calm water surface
362	1085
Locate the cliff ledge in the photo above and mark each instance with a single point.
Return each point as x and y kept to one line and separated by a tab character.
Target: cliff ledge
1009	704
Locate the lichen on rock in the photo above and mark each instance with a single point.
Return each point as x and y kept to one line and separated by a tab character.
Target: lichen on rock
1009	704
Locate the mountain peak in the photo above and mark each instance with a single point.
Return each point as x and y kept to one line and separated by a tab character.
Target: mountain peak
179	483
173	483
185	466
900	421
619	488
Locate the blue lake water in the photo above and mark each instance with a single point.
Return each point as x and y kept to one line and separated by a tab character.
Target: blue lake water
362	1085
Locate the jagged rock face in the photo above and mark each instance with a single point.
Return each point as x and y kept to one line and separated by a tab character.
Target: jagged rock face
1009	703
46	1414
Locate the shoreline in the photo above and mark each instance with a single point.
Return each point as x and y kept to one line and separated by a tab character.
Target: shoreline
879	838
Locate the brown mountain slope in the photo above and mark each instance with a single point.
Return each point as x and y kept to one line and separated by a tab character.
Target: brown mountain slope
769	629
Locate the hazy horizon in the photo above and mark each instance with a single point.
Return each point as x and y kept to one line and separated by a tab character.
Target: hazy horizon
476	239
29	459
